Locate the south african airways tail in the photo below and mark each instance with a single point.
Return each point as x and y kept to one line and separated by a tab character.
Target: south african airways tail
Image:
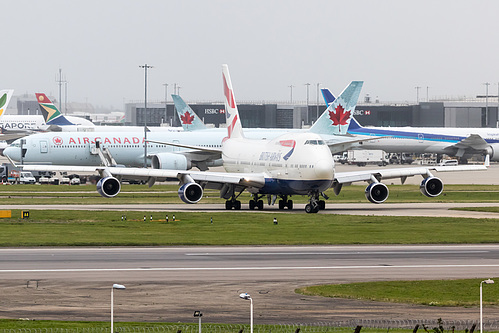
50	112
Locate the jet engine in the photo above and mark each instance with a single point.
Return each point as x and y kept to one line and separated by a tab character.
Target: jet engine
170	161
431	186
108	187
377	193
190	193
493	151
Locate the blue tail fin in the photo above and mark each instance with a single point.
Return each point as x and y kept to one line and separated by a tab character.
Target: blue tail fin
189	119
336	118
328	96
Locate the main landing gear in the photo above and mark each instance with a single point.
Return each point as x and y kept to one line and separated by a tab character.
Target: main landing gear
284	202
315	203
256	202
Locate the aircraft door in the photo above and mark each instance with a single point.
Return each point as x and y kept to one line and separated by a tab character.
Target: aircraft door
44	147
175	148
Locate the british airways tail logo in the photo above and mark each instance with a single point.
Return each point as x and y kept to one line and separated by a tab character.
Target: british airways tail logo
288	143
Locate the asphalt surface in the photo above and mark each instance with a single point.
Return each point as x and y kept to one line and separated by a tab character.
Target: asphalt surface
168	284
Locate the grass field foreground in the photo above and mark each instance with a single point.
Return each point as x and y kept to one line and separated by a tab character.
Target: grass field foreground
432	292
106	228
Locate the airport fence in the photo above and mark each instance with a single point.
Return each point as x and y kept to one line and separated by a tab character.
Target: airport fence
350	326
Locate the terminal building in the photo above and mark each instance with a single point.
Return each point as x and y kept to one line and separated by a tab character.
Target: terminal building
476	113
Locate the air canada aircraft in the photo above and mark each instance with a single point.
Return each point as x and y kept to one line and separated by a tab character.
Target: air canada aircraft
290	164
459	142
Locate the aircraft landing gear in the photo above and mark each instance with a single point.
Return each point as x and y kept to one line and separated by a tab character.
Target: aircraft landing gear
315	204
256	202
284	202
233	203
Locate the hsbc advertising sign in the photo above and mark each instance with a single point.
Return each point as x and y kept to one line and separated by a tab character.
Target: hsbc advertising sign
362	113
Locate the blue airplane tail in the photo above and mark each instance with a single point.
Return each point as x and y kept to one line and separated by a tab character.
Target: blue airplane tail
354	125
328	96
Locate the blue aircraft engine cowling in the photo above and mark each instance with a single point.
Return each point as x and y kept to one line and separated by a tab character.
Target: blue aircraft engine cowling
190	193
170	161
108	187
377	193
431	186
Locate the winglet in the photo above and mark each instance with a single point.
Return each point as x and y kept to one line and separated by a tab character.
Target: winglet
5	96
234	127
50	112
189	119
336	119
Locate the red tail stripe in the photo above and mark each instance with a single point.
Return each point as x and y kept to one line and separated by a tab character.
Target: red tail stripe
228	94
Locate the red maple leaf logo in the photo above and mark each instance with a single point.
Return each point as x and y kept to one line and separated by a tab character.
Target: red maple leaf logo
187	118
340	117
57	140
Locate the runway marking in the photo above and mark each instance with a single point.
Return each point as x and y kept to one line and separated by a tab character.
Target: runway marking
331	253
228	268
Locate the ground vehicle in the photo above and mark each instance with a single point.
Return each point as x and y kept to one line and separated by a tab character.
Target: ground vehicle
448	162
9	173
363	157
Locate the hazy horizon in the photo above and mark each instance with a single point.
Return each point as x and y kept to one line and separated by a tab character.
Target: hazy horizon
393	46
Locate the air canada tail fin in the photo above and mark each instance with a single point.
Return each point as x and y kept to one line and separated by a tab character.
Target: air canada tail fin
189	119
336	118
328	96
50	112
5	96
234	127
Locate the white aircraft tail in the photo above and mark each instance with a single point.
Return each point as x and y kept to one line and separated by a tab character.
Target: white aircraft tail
337	117
5	96
234	127
189	119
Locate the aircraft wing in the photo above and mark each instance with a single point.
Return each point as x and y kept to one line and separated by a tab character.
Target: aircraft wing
214	180
341	143
474	141
346	178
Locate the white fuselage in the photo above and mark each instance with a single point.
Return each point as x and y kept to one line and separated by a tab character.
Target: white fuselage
439	140
293	163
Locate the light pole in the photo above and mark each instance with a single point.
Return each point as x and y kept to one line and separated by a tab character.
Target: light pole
417	94
198	314
247	296
488	281
115	286
317	111
486	103
291	96
166	101
145	112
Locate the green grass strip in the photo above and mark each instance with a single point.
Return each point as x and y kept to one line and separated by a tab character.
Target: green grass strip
430	292
105	228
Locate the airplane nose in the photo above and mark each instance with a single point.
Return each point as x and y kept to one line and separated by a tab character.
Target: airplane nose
13	153
324	169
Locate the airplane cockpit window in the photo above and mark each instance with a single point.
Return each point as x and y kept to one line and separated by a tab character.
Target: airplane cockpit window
315	142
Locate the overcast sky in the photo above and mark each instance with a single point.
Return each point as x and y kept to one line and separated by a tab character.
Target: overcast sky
451	46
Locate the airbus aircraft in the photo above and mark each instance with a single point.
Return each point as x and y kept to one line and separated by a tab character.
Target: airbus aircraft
291	164
127	149
459	142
